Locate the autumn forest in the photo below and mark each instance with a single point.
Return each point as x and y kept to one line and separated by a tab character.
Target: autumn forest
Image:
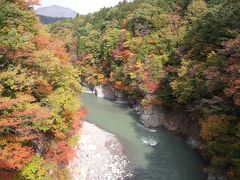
181	54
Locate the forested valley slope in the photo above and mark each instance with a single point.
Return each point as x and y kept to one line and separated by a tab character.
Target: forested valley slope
182	54
39	107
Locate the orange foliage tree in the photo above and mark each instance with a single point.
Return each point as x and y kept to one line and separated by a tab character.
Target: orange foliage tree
39	107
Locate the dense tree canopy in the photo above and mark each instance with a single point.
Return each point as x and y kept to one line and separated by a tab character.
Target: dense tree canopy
48	20
39	106
176	52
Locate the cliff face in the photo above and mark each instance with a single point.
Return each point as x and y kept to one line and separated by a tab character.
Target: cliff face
173	119
105	91
151	116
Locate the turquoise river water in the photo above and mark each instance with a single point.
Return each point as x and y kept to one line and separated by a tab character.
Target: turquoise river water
155	154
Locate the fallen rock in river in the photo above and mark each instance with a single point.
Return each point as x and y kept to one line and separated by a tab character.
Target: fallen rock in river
99	156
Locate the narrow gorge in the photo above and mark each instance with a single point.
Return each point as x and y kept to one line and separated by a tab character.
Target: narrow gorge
120	89
152	153
176	120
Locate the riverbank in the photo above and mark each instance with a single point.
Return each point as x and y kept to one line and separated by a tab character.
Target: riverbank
99	156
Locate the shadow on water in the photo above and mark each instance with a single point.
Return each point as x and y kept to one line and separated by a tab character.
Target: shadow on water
169	159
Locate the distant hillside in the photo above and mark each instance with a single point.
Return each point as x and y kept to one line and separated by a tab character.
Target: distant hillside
56	11
48	20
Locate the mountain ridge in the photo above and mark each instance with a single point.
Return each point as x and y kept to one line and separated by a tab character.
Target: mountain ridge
56	11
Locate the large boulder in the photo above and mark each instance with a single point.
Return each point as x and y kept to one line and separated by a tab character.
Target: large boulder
151	116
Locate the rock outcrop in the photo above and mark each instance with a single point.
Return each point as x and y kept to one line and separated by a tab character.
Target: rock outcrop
87	90
151	116
105	91
121	98
180	121
173	119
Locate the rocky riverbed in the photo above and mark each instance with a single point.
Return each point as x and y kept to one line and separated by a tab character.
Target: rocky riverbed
99	156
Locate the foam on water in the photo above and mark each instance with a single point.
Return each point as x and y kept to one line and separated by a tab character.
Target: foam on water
149	141
148	129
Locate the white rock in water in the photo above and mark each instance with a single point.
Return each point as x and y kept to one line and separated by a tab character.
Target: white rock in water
151	130
149	141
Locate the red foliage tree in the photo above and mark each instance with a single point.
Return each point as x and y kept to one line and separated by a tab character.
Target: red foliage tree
150	86
15	156
8	175
32	2
232	75
54	45
60	152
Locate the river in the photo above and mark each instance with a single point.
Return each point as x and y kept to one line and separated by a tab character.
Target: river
155	154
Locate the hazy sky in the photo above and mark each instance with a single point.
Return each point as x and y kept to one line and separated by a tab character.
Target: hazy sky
81	6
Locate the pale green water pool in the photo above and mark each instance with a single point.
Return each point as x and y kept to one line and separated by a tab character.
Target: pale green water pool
170	159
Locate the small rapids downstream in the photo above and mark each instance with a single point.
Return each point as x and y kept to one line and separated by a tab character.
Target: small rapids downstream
154	154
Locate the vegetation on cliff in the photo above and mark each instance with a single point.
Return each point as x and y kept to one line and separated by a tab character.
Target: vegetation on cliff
39	106
176	52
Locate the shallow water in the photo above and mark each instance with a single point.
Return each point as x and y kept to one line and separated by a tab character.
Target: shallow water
155	154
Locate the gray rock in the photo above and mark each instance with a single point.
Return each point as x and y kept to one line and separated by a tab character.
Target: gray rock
105	91
193	143
151	116
212	176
